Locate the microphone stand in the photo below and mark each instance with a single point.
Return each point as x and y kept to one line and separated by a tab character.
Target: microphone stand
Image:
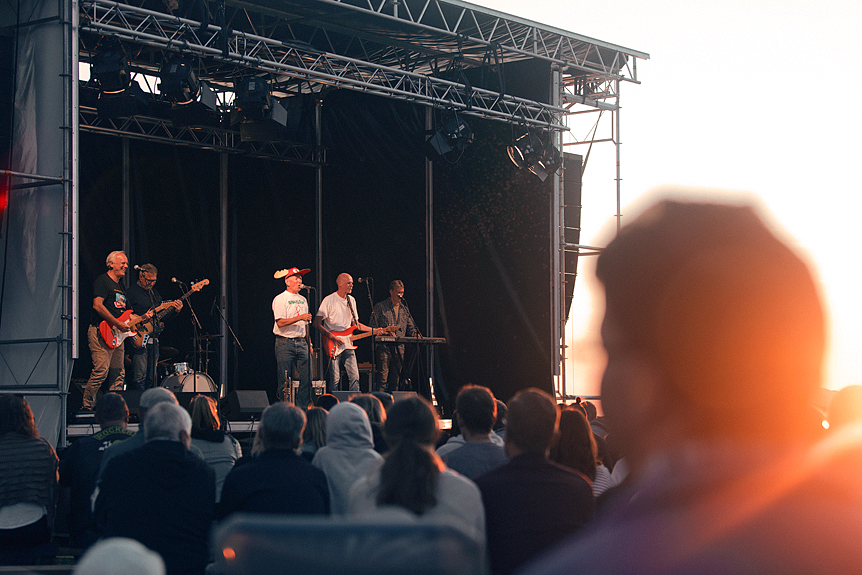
196	327
236	342
368	281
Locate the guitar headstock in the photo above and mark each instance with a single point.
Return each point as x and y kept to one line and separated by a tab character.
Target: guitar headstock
199	286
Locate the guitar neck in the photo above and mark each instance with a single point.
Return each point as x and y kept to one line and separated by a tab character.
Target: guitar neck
361	335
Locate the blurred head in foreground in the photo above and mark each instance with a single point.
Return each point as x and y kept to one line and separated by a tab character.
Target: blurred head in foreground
706	307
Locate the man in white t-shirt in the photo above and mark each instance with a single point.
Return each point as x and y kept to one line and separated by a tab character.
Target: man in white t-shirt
292	339
336	316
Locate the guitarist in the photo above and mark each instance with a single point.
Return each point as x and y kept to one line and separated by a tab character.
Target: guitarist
142	297
338	313
109	303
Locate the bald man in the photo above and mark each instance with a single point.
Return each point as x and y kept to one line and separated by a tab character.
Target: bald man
337	313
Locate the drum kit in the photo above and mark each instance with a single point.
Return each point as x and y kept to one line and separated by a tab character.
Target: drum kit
180	377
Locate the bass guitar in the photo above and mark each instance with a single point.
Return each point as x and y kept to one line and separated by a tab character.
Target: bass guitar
147	326
344	339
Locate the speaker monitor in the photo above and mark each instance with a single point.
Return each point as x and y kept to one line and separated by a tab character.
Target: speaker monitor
244	404
133	401
399	395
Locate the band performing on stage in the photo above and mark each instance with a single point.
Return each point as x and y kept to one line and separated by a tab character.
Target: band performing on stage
126	324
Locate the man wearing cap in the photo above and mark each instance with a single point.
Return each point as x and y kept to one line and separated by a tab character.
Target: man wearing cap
292	338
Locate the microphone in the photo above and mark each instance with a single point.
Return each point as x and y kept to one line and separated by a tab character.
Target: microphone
364	280
137	267
303	286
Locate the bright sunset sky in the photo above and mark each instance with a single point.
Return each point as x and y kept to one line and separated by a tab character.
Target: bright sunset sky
761	99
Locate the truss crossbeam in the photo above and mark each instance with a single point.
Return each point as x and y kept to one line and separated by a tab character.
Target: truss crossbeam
265	54
489	28
161	130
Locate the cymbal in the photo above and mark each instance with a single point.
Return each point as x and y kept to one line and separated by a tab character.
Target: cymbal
166	352
210	336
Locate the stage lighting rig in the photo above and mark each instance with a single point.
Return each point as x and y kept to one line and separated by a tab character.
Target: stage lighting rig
119	96
540	158
192	101
453	134
261	117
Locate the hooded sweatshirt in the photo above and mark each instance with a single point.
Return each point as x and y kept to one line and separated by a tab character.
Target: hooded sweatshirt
348	453
163	496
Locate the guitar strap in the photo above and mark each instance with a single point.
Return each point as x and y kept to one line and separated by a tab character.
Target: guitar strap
352	313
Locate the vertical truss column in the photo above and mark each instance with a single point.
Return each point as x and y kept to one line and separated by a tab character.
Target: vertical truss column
557	264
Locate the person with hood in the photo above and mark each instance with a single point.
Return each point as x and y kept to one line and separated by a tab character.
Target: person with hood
161	494
348	453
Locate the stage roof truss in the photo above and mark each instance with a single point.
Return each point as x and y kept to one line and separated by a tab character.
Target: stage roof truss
204	137
298	60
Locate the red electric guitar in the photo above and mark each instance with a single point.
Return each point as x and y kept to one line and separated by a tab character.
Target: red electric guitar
345	339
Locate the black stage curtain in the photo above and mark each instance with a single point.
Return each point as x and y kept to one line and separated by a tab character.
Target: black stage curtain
491	229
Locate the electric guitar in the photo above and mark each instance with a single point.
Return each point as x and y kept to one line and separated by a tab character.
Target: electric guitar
147	326
114	337
345	339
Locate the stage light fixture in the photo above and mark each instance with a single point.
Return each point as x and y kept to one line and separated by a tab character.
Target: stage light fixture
528	151
119	96
178	81
262	118
110	66
453	134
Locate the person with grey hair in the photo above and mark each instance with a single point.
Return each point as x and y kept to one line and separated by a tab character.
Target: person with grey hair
142	297
120	556
109	305
161	494
149	398
277	480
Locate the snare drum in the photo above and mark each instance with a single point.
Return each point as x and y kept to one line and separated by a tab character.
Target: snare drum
182	368
194	382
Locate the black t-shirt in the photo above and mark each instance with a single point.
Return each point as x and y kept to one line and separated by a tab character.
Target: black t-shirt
113	294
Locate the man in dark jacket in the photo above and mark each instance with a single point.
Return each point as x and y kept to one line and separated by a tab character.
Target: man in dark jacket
277	480
531	503
161	494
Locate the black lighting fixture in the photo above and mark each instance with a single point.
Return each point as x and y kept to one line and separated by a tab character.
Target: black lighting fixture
540	158
453	134
192	101
178	81
118	95
261	117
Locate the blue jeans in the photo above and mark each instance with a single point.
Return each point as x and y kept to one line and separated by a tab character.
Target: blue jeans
348	359
290	352
144	363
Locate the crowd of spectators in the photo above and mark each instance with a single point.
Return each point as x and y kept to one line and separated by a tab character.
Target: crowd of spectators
705	305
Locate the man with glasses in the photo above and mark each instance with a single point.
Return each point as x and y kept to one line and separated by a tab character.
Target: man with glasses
142	297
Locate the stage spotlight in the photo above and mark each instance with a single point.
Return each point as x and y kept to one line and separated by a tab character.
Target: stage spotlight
454	134
178	82
261	117
111	66
119	96
528	151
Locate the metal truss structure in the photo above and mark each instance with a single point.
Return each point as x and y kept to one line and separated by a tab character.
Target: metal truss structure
415	50
444	54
